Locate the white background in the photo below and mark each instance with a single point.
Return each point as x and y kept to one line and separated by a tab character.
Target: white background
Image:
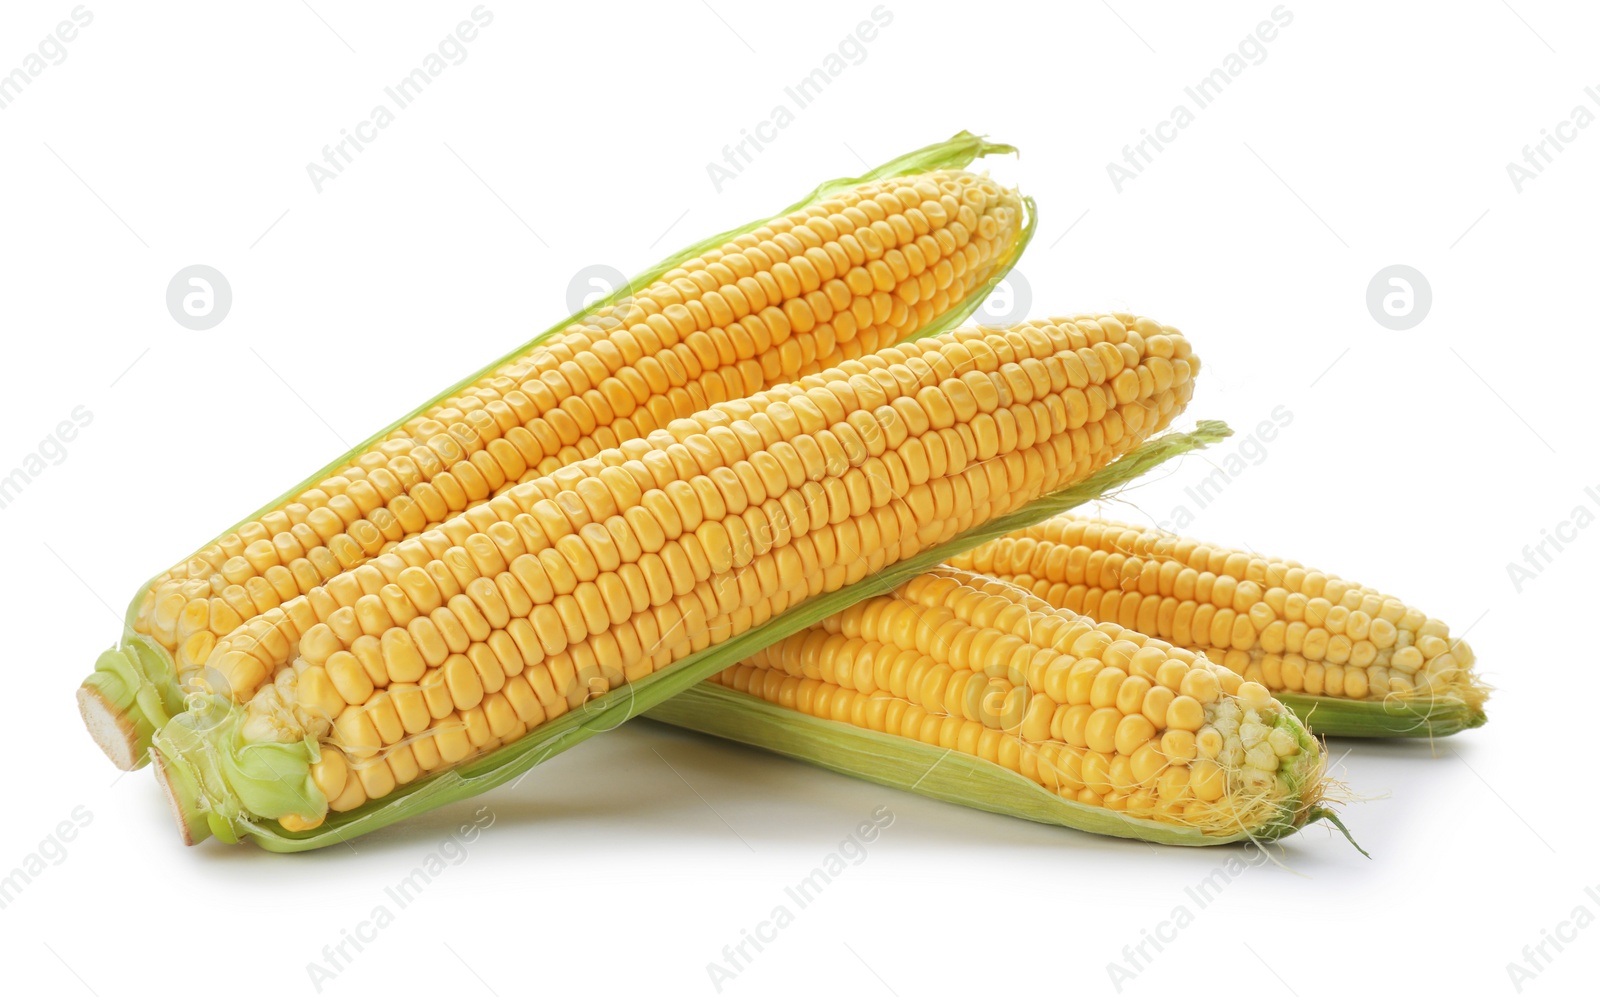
1419	461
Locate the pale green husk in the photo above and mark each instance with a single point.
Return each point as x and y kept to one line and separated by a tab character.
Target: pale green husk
212	795
945	774
134	684
1397	716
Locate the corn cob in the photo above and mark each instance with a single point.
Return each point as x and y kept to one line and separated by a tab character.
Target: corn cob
628	351
853	268
611	570
1348	658
1124	734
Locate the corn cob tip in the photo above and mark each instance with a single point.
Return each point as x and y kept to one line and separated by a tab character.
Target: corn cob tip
1309	799
1321	794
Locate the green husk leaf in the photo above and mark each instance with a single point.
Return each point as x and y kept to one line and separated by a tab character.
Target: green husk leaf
140	713
1396	716
608	711
132	691
941	773
216	779
1332	817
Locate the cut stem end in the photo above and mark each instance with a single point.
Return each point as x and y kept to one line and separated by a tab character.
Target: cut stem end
117	731
124	700
183	795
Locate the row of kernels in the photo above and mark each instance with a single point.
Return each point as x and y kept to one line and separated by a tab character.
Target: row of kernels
1296	673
